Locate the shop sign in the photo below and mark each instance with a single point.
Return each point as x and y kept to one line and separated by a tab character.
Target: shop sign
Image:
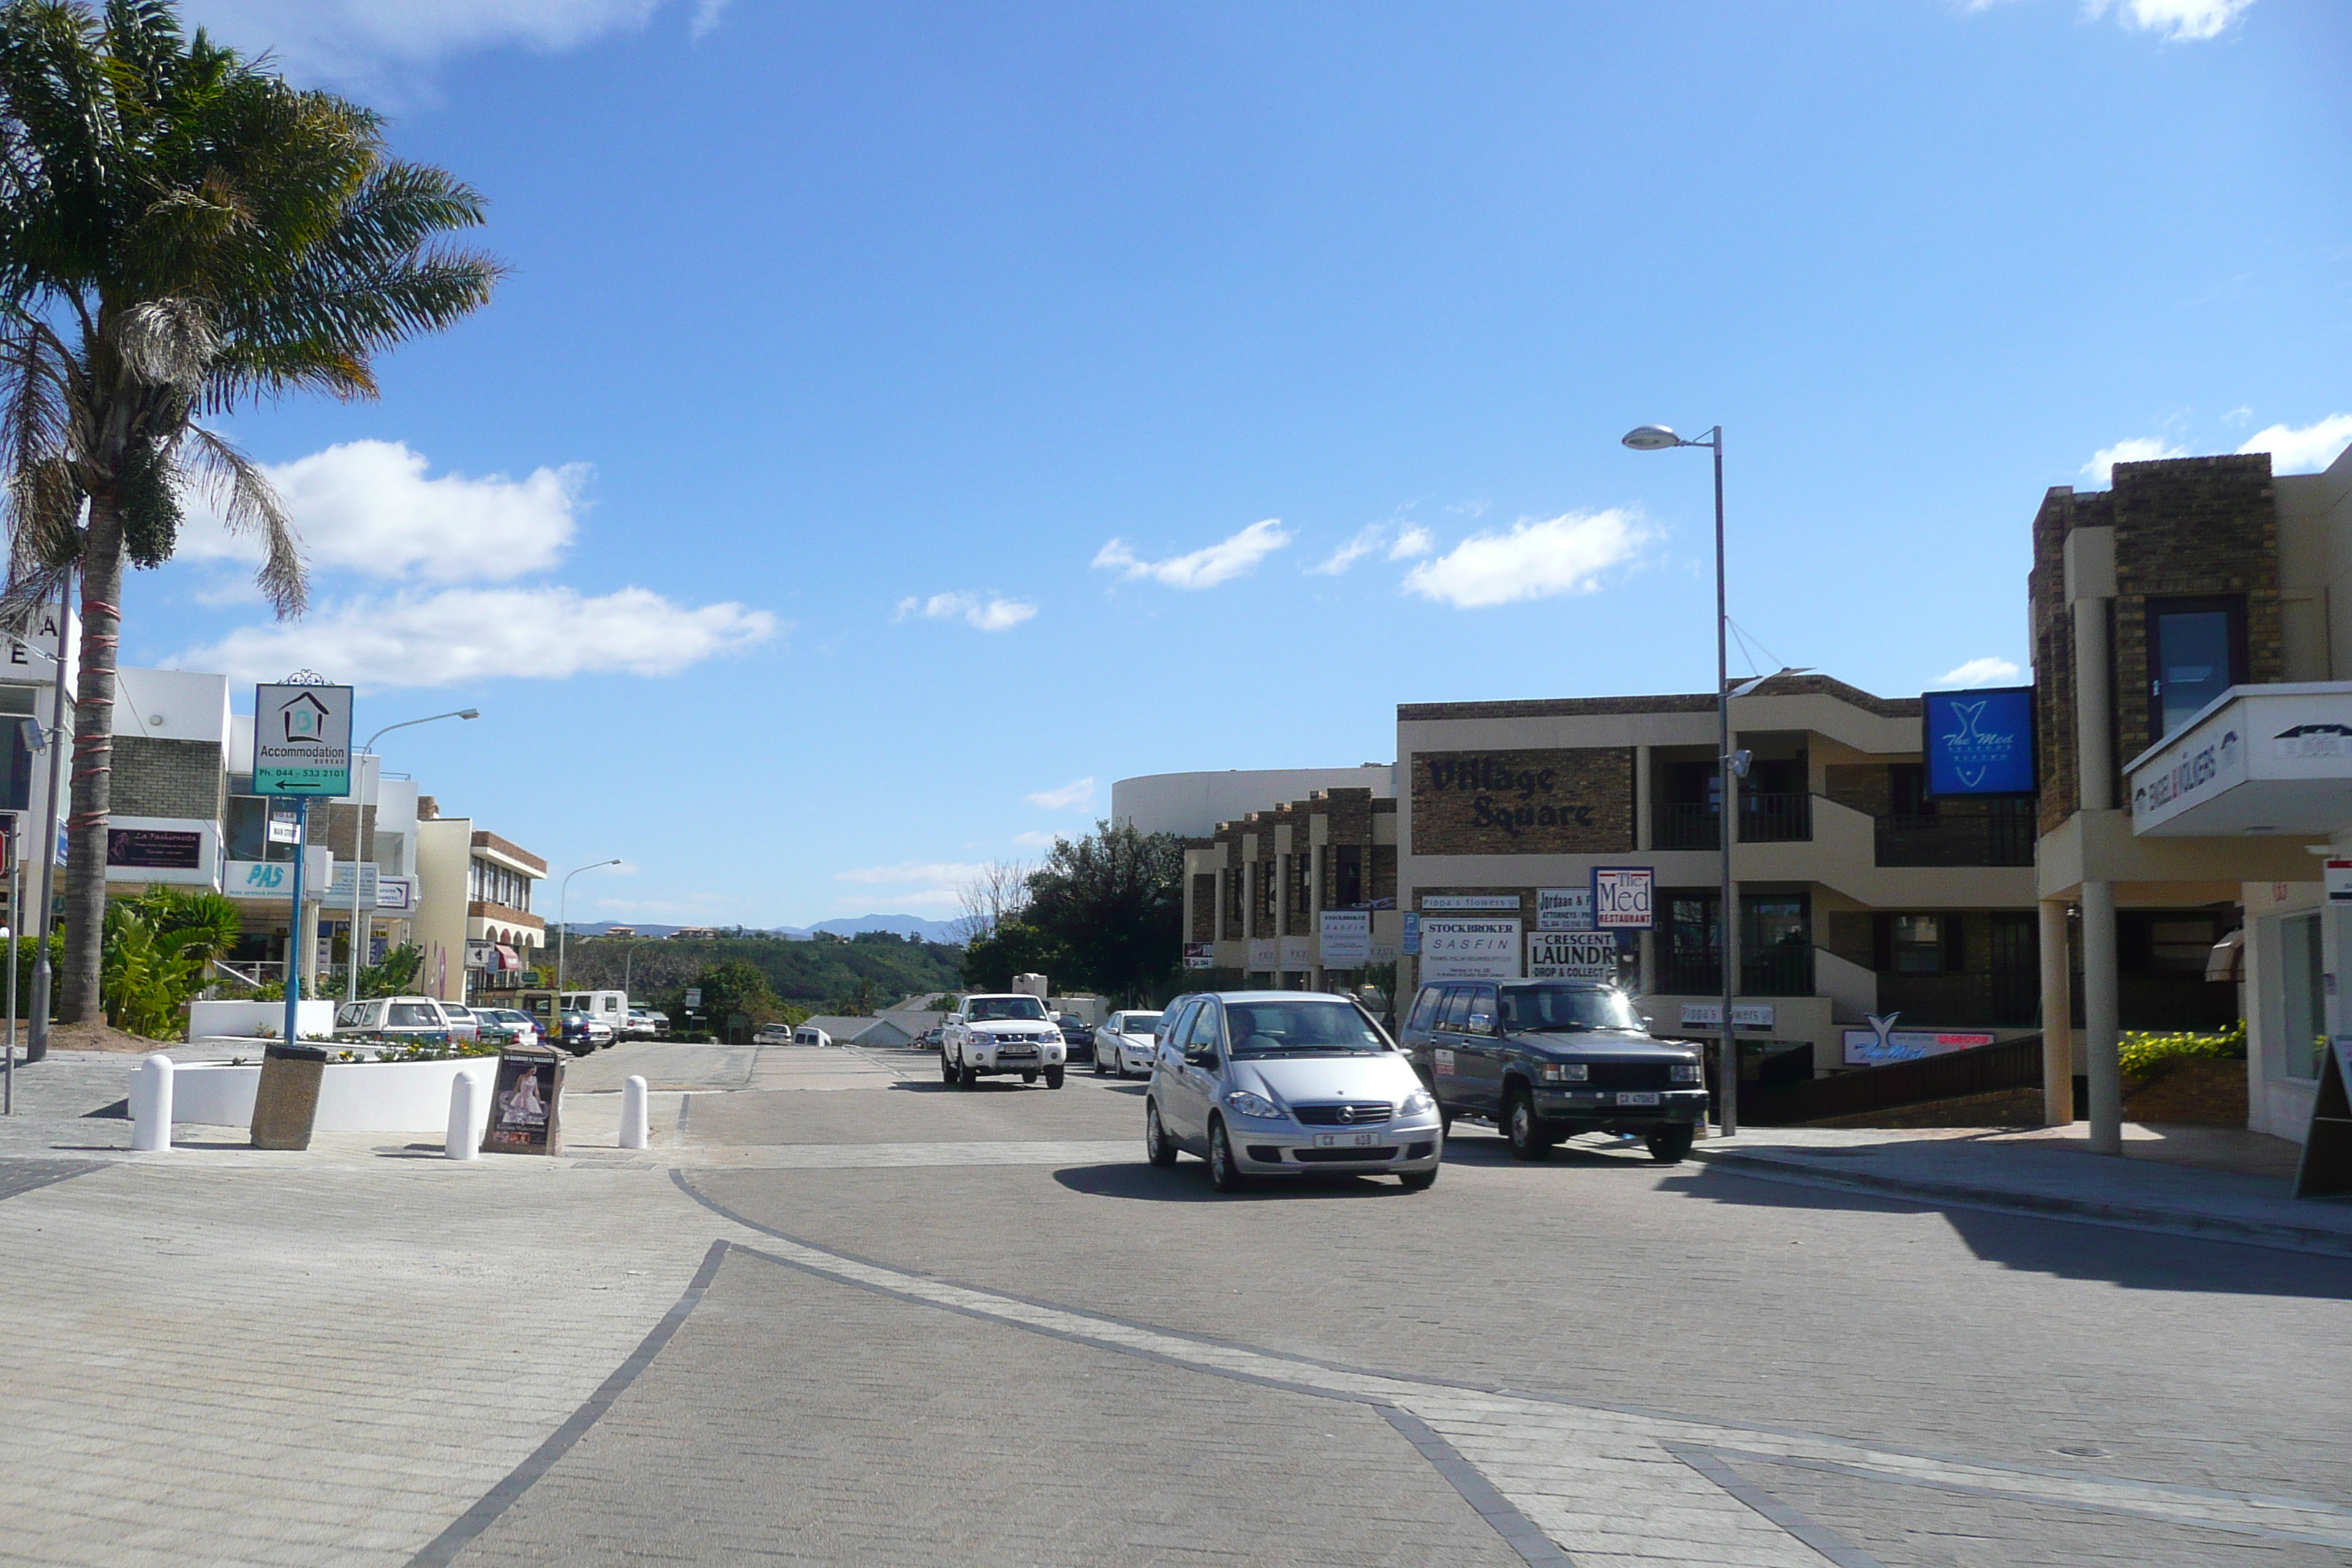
395	895
1470	903
1572	955
1978	742
257	879
302	740
693	998
1564	908
1883	1043
339	887
1199	955
285	830
154	849
1624	898
1265	955
1468	949
1559	802
525	1105
2338	876
1383	953
1347	939
1744	1014
1297	953
1411	941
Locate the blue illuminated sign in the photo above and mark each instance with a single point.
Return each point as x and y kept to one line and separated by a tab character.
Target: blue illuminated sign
1979	742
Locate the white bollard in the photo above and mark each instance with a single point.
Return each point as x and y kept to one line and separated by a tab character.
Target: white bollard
150	1104
633	1113
457	1142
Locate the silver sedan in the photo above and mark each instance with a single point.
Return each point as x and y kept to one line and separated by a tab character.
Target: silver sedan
1123	1044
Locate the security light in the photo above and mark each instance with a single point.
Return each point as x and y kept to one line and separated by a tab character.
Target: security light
1651	438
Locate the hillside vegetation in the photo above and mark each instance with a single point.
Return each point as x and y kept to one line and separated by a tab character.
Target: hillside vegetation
823	974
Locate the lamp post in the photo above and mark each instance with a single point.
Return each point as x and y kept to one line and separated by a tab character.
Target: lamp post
359	937
37	1041
563	931
1657	438
628	958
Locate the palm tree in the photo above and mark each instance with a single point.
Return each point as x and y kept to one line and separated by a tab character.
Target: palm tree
181	233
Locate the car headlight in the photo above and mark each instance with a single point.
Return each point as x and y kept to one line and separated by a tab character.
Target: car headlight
1242	1102
1689	1072
1417	1103
1566	1072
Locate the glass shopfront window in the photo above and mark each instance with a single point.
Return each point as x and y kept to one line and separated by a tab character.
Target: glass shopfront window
2303	970
2196	651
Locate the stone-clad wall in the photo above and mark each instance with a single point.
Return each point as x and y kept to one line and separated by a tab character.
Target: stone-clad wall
1566	801
168	778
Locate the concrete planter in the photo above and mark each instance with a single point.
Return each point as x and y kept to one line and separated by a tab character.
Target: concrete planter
353	1097
247	1020
2198	1091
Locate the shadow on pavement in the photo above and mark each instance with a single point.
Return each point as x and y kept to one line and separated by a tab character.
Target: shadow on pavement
1187	1182
2067	1249
985	1086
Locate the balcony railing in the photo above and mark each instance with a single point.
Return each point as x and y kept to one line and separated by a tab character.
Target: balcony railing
1680	824
2004	840
2007	1001
1778	971
1776	819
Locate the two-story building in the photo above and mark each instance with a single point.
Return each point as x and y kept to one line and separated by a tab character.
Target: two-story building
1257	890
2192	630
1859	893
474	922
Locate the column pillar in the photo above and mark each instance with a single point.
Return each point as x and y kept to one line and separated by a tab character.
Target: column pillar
2057	1017
2094	706
2101	1013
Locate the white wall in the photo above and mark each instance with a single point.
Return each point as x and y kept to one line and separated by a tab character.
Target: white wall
173	705
1191	804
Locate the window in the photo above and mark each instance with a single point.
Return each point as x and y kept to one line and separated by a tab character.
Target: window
2196	651
1235	903
413	1016
1307	1028
2182	946
1203	1035
1424	1007
1457	1009
1302	870
1482	1010
1566	1008
1916	944
1266	890
1907	790
2303	965
1347	875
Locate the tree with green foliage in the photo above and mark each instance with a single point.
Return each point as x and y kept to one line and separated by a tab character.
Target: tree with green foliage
158	948
730	987
396	975
180	234
1105	913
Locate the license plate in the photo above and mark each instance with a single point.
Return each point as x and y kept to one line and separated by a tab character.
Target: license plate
1637	1100
1358	1139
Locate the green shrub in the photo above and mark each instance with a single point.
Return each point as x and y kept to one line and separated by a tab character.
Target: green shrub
2144	1052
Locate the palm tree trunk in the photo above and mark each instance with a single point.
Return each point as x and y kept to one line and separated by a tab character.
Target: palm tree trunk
79	995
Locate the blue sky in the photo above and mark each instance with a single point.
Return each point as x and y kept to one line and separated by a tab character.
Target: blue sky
899	416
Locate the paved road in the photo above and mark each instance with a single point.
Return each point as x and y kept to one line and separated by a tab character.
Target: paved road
841	1313
1894	1383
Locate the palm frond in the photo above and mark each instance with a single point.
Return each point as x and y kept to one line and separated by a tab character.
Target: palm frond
249	505
167	342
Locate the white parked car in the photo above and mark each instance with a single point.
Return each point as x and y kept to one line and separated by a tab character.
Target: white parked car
406	1019
997	1035
525	1027
772	1035
1124	1043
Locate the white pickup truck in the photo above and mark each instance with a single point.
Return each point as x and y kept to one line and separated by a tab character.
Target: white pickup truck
1001	1034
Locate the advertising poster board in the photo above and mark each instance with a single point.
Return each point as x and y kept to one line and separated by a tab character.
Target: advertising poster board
1265	955
302	740
1624	898
154	849
1744	1014
1876	1047
525	1105
1297	953
1572	955
1466	948
1470	903
1564	908
1199	955
1347	939
1978	742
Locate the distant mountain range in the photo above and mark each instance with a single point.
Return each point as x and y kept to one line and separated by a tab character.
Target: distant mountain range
901	925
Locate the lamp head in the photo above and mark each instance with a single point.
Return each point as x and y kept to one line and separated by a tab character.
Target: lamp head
1651	439
469	713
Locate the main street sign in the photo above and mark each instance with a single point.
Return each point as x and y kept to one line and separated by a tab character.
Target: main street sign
302	740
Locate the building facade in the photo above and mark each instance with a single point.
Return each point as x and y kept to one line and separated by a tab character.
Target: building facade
1859	895
1194	805
2192	629
1257	891
476	926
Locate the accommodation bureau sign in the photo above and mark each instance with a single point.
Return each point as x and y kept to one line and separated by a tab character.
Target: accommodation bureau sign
1518	803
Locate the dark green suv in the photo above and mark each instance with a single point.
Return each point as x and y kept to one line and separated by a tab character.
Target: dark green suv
1545	1059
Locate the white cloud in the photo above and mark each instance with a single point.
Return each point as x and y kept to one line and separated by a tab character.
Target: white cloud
991	614
461	635
1411	542
911	872
2179	21
1077	792
706	16
2138	449
1986	672
1205	568
1036	840
371	43
2304	451
1367	539
1536	560
369	507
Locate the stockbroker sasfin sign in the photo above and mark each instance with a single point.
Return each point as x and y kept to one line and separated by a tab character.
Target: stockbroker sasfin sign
1979	742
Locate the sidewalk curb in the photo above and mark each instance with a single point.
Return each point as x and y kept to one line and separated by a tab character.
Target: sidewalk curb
2169	1222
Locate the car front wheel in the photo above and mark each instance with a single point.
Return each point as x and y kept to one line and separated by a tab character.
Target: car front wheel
1418	1181
1157	1147
1524	1128
947	1067
1669	1144
1225	1171
1098	1064
1054	1077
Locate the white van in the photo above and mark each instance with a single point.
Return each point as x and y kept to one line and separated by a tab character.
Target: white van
610	1008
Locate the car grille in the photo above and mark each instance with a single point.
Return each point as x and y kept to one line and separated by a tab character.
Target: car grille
1630	1075
1357	1113
1340	1156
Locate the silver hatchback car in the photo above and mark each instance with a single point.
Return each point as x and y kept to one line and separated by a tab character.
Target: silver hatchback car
1288	1083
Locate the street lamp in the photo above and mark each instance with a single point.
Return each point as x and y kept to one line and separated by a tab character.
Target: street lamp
563	931
360	935
1657	438
628	958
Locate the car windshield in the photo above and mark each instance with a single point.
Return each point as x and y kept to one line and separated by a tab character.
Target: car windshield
1308	1028
990	1009
1141	1023
1566	1009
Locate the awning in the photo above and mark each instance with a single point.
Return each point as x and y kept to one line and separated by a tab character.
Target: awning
508	958
2258	759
